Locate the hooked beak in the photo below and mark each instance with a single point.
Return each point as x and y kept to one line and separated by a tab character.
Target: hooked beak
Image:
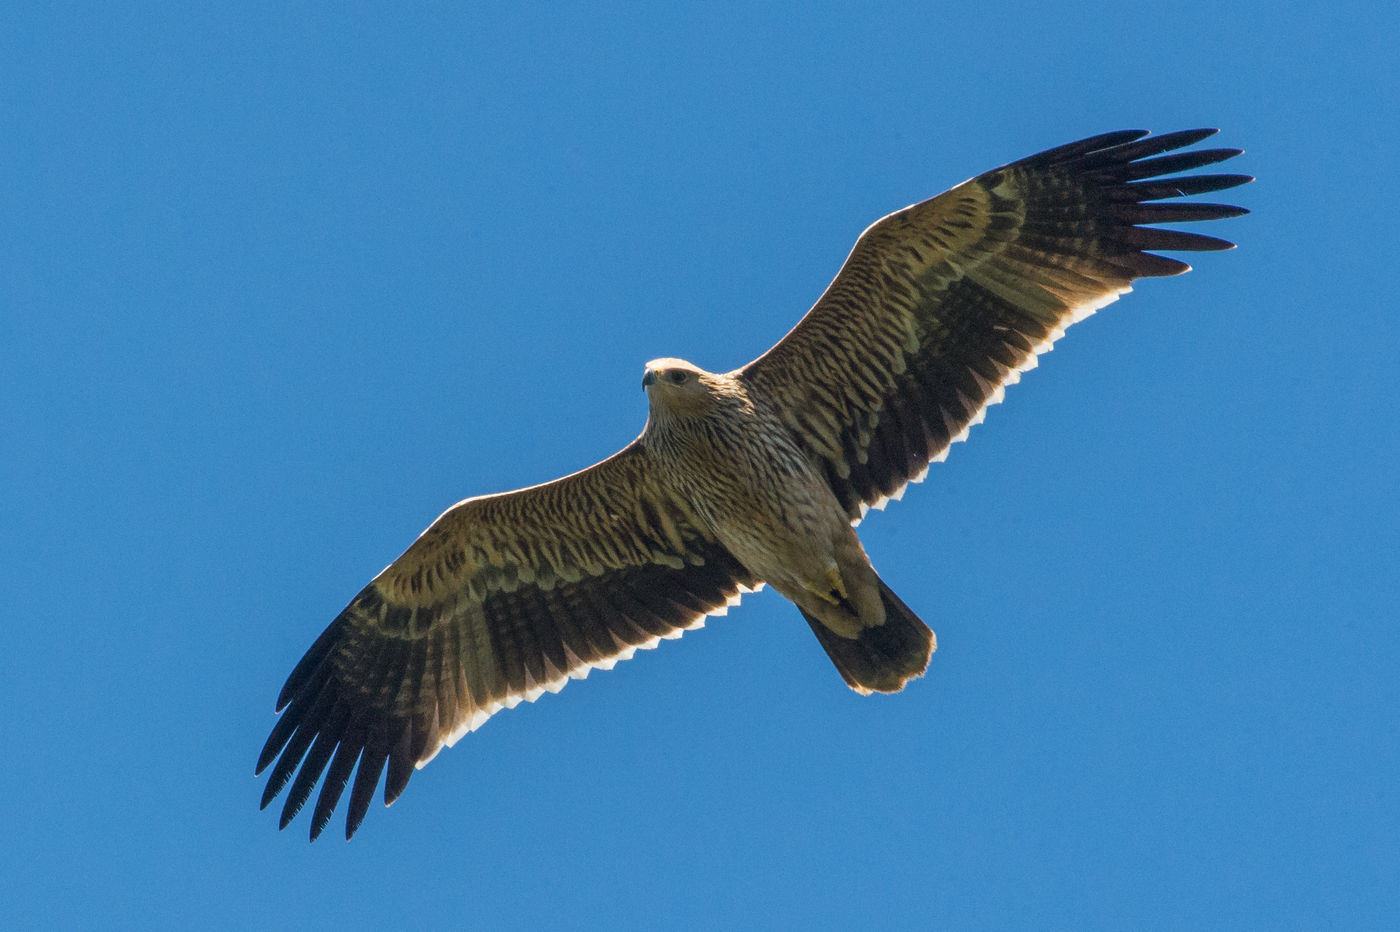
649	378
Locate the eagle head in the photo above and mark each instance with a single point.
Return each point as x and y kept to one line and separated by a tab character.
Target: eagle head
674	386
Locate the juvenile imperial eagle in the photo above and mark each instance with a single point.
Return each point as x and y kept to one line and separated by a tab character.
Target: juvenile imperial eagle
742	478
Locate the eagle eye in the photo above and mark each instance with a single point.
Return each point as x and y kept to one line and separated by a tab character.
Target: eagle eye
676	375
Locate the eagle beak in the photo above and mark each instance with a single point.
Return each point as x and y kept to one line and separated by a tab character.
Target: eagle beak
649	378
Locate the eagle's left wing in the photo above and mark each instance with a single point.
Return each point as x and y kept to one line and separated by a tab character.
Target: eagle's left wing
943	304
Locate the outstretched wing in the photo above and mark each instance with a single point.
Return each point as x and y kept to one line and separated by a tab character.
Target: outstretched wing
943	304
503	598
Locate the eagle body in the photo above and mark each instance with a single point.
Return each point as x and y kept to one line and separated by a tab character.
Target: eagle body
751	477
724	445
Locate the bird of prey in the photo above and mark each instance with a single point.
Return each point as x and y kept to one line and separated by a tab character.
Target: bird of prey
750	477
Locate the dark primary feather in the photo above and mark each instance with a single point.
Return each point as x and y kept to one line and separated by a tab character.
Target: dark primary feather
942	304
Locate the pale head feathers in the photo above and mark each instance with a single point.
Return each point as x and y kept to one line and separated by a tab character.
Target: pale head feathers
676	387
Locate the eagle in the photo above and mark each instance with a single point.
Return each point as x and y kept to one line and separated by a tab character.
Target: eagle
745	478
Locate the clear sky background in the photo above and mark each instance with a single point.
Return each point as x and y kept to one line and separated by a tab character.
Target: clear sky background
281	281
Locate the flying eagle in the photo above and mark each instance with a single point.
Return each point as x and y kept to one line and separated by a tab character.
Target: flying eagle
742	478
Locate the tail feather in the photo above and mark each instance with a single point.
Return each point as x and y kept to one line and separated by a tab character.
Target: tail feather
882	659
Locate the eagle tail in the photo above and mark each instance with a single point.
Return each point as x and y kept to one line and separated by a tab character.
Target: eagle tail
882	659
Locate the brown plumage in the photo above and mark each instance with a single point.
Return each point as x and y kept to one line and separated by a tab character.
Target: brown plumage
750	477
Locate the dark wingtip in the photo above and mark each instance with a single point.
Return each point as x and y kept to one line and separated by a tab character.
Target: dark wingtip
334	785
276	741
400	770
1164	142
1106	140
1083	147
366	779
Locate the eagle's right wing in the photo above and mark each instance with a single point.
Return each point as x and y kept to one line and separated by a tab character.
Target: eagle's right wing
503	598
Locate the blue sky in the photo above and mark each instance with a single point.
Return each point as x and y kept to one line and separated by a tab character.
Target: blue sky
279	282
